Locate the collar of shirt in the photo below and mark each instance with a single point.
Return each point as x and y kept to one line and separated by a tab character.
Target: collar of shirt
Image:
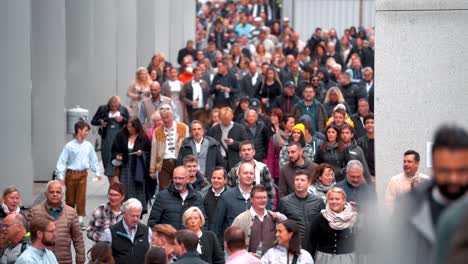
166	130
260	217
196	82
127	228
54	212
217	194
245	195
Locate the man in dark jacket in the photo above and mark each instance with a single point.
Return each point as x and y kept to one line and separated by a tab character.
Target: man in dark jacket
186	242
196	179
250	83
358	118
357	191
313	108
212	193
351	92
229	135
234	201
288	99
171	203
204	148
354	151
257	133
189	49
367	144
418	212
129	239
301	206
296	162
224	87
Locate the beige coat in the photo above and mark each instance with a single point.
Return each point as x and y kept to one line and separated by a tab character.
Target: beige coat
67	229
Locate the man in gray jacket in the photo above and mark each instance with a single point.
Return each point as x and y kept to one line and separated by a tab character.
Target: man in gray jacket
354	151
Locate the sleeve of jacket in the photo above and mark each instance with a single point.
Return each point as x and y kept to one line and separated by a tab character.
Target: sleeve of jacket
284	157
283	188
322	118
242	136
218	254
268	182
232	177
124	112
265	139
156	211
100	113
154	151
220	217
183	94
77	237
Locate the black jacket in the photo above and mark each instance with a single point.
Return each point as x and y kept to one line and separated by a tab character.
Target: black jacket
338	159
102	114
352	93
126	251
213	157
191	257
230	205
247	88
169	207
301	210
260	140
120	146
237	133
286	103
211	248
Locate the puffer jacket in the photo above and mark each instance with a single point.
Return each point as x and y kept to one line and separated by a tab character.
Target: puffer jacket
301	210
169	206
338	159
67	230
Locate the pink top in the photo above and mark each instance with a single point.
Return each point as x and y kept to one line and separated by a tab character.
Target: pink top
244	257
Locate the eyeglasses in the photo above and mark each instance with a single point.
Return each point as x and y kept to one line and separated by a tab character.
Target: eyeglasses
3	225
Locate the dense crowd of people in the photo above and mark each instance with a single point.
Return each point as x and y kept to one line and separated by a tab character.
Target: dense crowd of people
256	146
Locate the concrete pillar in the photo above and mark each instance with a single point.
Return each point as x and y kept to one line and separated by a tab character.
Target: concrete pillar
126	39
174	26
15	103
48	89
145	31
80	68
420	77
104	51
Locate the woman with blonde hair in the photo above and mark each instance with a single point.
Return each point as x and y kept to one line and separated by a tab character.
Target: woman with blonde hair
208	244
139	89
332	99
331	236
261	55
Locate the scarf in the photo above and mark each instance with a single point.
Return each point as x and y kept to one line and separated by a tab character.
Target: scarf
322	188
340	221
7	211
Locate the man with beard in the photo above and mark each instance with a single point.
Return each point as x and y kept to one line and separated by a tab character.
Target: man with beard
42	231
196	179
419	211
296	162
171	203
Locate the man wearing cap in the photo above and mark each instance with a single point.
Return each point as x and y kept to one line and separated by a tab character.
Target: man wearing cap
288	99
311	107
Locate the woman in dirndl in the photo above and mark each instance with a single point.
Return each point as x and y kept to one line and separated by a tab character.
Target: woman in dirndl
331	235
131	153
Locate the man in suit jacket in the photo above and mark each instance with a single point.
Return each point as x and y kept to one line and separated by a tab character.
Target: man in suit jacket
195	95
250	83
229	135
358	118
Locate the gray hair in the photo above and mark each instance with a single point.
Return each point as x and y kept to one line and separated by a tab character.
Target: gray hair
165	108
132	203
55	182
354	164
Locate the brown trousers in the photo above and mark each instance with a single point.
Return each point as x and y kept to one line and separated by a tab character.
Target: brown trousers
165	176
75	194
200	115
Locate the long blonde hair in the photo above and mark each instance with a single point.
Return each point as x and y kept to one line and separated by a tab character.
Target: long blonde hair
338	93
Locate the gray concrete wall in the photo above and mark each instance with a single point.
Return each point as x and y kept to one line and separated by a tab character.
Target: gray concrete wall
15	103
421	76
58	54
48	75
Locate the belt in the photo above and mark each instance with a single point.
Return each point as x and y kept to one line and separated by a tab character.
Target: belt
76	171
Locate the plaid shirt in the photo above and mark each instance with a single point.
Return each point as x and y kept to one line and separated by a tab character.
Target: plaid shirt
102	218
307	152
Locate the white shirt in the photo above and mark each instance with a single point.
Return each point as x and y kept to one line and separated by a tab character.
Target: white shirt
175	85
245	195
197	94
169	152
260	217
